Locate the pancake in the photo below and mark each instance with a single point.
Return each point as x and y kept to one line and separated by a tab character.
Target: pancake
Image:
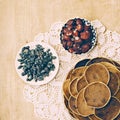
82	63
118	73
113	83
97	94
79	117
117	64
118	95
73	105
118	117
112	69
110	111
67	106
69	74
83	109
94	117
81	83
97	72
77	73
66	89
72	114
65	102
73	88
98	60
71	110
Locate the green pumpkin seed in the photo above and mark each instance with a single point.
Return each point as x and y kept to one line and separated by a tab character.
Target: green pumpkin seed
19	67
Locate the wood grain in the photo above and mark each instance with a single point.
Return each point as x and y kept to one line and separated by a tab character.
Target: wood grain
20	21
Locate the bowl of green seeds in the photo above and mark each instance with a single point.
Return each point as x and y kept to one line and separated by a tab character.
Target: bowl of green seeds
37	63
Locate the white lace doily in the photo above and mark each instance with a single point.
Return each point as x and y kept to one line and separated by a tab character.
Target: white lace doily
47	99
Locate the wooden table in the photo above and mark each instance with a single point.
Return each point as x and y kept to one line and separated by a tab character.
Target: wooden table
20	21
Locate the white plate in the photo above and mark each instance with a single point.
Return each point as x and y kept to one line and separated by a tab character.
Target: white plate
51	74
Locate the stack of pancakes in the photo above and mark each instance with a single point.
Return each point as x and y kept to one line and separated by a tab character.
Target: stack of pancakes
92	90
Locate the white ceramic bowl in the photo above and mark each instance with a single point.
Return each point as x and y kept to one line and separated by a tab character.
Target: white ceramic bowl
52	74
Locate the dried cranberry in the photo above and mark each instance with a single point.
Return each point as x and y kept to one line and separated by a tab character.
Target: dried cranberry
85	35
79	21
70	22
69	32
85	48
86	27
69	27
65	30
71	50
69	43
65	37
78	40
79	27
75	33
64	44
76	46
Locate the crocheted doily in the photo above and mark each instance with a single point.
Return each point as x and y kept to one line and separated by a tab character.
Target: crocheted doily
47	99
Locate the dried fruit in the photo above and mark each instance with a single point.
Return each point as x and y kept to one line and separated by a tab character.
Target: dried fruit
71	50
69	43
65	37
70	22
85	48
79	27
85	35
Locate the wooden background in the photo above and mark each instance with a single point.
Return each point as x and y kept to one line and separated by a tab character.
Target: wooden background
20	21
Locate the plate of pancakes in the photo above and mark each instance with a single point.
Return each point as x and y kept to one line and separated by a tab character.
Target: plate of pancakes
91	90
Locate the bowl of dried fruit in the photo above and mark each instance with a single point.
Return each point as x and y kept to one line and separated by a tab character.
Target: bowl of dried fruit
37	63
78	36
